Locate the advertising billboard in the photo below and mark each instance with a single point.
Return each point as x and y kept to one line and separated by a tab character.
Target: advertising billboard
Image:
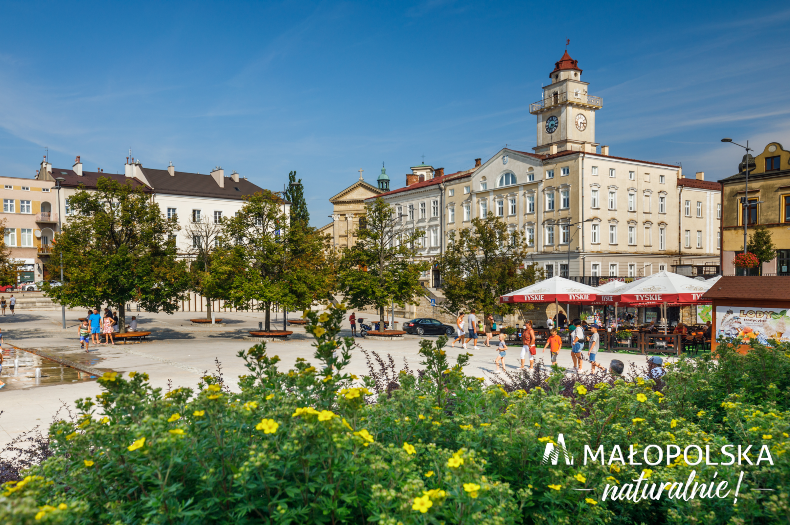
749	322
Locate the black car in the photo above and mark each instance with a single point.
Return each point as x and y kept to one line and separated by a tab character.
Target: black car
427	326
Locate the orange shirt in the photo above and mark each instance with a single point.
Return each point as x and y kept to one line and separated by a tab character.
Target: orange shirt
555	342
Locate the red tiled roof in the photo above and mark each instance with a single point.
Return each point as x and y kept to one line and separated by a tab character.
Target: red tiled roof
566	62
569	152
773	288
89	179
702	184
425	183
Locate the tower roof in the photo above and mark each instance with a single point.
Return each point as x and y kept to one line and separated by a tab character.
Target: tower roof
566	62
383	175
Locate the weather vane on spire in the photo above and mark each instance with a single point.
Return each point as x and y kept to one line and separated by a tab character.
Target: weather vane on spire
567	43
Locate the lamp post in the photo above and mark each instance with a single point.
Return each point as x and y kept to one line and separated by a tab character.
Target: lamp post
58	180
745	201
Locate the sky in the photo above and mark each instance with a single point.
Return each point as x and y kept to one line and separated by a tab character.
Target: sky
328	88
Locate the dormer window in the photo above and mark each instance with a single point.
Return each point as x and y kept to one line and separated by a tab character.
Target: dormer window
772	163
506	179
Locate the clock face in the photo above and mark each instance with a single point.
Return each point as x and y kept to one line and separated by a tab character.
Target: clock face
581	122
551	124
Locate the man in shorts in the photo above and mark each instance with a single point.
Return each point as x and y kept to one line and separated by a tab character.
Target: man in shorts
95	322
471	322
595	343
577	338
12	303
459	329
528	345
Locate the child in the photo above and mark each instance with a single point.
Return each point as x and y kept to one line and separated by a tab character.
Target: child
85	338
555	341
500	361
595	340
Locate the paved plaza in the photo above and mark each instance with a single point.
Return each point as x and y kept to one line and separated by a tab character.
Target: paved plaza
180	353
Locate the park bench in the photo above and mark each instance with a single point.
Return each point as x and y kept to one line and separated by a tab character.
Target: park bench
131	336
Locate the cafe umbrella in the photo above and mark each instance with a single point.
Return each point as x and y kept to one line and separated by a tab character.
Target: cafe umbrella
554	290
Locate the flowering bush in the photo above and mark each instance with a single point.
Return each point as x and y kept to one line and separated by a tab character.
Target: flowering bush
746	260
316	445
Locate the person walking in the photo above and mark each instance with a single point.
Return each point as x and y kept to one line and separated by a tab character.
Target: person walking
2	304
528	345
85	337
107	328
94	321
555	342
471	322
577	338
595	344
353	320
489	328
12	303
459	330
502	351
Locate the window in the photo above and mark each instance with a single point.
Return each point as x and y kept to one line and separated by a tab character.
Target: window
595	269
631	175
171	213
662	179
632	202
483	185
662	238
687	208
8	205
422	210
687	237
25	207
647	204
195	215
632	235
699	209
9	187
594	170
434	237
564	172
411	212
612	173
565	199
771	163
216	242
450	193
500	208
612	269
647	177
594	198
549	174
399	213
26	237
718	240
662	267
218	217
718	211
506	179
648	236
550	201
25	188
483	209
565	234
530	203
196	242
612	200
467	189
467	212
699	239
451	213
67	206
631	270
550	234
612	234
549	270
45	190
530	177
564	270
530	236
662	204
750	212
594	238
435	208
512	206
10	237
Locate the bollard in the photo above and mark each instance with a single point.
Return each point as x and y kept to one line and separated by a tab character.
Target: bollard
260	326
16	362
38	372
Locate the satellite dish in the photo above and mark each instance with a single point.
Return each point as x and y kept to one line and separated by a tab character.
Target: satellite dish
38	234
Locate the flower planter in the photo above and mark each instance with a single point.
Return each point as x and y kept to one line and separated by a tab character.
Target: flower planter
300	322
205	321
272	335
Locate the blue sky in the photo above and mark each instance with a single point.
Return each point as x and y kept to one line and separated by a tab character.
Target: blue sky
327	88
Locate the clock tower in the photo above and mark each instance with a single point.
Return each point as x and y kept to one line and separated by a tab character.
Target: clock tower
566	114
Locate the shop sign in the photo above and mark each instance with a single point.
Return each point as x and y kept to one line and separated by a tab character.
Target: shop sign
749	323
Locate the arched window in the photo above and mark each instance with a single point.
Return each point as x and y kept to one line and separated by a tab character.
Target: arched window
506	179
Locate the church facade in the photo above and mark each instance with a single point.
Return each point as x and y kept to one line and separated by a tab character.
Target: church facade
348	207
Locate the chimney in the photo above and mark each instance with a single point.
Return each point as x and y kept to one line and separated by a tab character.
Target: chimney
439	172
171	169
552	149
605	150
700	175
234	176
411	178
77	166
478	162
219	176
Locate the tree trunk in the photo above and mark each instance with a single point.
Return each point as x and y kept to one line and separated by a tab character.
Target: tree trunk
381	318
267	323
208	309
121	318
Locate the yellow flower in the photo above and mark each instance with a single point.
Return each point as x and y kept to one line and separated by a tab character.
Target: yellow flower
580	478
326	415
269	397
700	413
437	423
612	478
40	514
647	472
71	436
767	436
104	420
305	410
63	506
409	449
421	416
199	413
365	435
472	489
422	504
324	317
485	424
85	423
674	423
174	417
581	389
345	423
269	426
137	444
215	396
434	493
591	501
176	431
429	474
614	467
249	406
214	388
88	463
641	398
455	462
467	427
109	376
319	331
544	439
637	420
555	487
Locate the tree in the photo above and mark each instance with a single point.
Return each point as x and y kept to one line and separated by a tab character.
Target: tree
483	263
7	266
380	269
761	244
118	247
271	262
295	195
205	269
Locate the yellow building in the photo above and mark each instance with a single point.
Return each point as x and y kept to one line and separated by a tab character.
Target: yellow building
768	205
348	208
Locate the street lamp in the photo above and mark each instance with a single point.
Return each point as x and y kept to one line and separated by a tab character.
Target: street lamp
58	180
745	201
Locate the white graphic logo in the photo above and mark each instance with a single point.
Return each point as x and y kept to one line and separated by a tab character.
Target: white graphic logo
552	452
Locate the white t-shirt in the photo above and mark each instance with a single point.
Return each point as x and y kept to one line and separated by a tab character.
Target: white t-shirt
594	339
550	323
133	325
579	332
12	301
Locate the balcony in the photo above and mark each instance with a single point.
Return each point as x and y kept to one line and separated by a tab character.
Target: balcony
558	99
45	250
46	216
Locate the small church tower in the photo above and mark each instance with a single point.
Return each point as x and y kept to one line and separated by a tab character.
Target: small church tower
383	180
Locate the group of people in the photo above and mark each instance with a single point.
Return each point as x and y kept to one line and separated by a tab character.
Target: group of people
10	304
94	325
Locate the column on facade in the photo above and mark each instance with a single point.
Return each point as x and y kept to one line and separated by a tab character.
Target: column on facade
349	229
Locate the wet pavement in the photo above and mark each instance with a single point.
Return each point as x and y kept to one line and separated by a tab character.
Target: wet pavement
23	370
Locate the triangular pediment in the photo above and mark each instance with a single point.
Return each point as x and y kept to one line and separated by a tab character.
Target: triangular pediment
358	191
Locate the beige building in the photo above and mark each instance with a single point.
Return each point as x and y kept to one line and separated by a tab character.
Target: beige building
349	208
30	223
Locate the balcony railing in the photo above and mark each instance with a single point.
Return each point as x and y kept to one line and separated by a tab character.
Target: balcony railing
563	98
46	216
45	249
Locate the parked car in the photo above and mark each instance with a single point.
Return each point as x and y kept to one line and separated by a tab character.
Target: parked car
7	288
428	326
28	287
